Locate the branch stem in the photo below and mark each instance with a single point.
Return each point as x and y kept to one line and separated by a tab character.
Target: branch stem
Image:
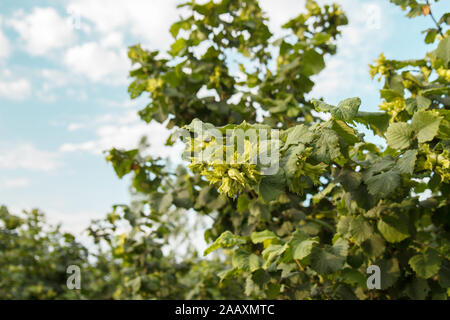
434	20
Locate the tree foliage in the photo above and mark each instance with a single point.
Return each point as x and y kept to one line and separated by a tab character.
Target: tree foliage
337	204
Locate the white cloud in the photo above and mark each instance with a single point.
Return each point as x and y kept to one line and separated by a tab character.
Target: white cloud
280	12
5	47
98	63
15	183
50	79
147	20
124	131
112	40
127	103
75	126
347	72
42	30
54	77
26	156
14	89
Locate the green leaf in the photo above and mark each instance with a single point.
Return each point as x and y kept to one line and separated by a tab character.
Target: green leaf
389	94
225	274
399	135
383	164
321	105
426	125
345	132
136	88
445	18
328	146
444	274
301	244
272	186
340	247
353	277
273	290
374	246
259	237
431	35
313	63
360	229
298	134
416	104
378	122
406	163
178	47
175	28
350	180
443	50
225	240
243	203
347	109
258	210
417	289
426	264
436	91
289	161
343	225
390	272
444	130
241	260
326	260
383	184
394	228
203	197
254	262
122	161
322	194
135	284
272	252
160	202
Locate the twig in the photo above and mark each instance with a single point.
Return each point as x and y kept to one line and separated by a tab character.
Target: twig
434	20
299	265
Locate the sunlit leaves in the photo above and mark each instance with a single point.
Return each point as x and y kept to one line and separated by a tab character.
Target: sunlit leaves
399	135
272	252
346	109
327	146
301	244
394	228
360	229
443	50
406	163
426	264
258	237
122	161
426	125
225	240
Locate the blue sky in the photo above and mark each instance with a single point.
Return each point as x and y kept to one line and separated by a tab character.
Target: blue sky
63	89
